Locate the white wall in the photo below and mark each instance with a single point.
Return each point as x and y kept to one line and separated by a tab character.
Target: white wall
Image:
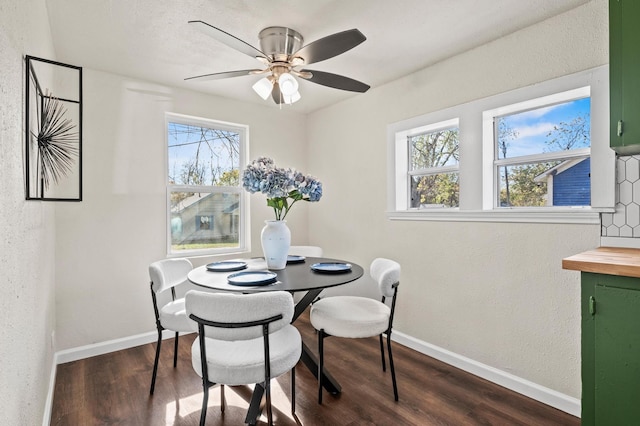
493	292
27	316
105	243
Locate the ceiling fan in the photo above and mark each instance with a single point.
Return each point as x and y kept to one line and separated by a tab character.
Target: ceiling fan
283	54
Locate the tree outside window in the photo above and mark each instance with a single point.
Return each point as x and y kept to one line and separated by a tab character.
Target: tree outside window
433	168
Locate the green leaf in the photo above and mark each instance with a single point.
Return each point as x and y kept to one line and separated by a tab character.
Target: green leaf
295	195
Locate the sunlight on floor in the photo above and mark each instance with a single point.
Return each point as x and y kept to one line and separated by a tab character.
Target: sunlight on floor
236	397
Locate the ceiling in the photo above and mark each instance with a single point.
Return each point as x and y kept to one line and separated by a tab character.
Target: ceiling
151	39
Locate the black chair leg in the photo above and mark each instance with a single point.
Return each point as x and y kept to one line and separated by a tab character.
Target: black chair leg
293	390
320	363
393	371
155	363
223	402
205	402
267	389
175	352
384	367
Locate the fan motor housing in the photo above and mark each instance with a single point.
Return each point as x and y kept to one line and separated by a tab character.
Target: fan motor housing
277	41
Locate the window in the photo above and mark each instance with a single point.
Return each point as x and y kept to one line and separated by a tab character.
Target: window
206	203
538	154
542	151
433	166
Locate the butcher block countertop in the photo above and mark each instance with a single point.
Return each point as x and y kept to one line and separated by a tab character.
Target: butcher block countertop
606	260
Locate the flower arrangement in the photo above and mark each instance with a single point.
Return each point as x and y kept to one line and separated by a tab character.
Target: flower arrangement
283	187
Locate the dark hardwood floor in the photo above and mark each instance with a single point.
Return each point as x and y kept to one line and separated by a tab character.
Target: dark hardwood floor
113	389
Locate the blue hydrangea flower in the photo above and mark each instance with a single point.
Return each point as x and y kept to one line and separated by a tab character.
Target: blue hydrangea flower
283	187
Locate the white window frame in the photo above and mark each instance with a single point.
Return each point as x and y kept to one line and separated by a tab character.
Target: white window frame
403	149
489	119
244	233
477	155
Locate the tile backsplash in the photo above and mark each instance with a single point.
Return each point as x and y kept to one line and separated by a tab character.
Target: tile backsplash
625	222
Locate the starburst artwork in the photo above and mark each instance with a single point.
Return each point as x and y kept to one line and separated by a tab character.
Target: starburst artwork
53	115
57	140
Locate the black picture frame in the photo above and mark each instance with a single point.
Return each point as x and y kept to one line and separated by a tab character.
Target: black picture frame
53	130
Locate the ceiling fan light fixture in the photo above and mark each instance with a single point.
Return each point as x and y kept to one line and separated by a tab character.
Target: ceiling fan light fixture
290	99
263	88
288	84
282	50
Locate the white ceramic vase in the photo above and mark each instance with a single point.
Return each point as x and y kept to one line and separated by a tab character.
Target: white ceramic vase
276	240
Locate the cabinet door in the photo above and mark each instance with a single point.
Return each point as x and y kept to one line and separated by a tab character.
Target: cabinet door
617	356
624	75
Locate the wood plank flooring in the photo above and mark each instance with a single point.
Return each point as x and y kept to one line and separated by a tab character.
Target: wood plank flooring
113	389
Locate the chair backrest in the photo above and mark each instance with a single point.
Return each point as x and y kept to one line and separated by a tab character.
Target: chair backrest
387	274
231	308
169	273
310	251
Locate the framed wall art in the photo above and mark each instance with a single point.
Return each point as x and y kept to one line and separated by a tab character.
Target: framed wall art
53	140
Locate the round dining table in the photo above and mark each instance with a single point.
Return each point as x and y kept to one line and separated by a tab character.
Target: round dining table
299	276
302	275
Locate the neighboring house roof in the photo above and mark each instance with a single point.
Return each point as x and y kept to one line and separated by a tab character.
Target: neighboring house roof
565	165
232	208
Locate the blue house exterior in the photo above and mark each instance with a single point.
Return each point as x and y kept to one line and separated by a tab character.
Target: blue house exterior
569	183
572	187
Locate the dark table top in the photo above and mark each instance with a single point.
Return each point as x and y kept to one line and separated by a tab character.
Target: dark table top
295	277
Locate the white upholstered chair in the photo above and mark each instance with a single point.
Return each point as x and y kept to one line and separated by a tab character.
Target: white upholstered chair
358	317
307	251
243	339
167	275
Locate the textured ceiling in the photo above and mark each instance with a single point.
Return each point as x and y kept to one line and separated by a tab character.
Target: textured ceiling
151	39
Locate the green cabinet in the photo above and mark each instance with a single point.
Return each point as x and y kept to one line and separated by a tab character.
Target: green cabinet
624	75
610	350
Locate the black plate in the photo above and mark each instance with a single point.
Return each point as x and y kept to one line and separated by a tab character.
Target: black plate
292	258
226	266
331	267
251	278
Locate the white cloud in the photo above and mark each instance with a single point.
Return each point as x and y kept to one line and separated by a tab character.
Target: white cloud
539	129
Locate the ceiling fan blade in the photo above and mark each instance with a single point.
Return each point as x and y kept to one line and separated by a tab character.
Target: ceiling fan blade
337	81
221	75
228	39
275	93
330	46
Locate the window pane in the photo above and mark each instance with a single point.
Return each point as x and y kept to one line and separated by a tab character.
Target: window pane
435	149
437	190
203	156
204	220
551	128
558	183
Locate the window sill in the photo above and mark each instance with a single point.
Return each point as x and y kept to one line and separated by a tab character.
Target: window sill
586	216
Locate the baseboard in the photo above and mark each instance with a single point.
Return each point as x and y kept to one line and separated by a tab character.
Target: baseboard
101	348
532	390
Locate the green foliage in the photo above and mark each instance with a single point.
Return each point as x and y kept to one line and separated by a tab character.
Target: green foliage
441	189
199	246
429	150
524	190
230	178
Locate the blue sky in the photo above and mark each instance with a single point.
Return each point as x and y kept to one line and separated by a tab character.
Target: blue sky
183	141
533	126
